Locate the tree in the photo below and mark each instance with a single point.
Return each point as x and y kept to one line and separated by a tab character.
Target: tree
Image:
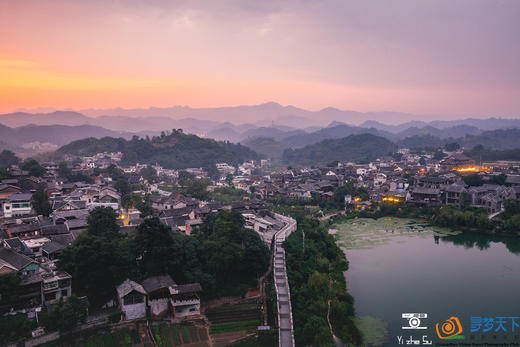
9	291
8	158
451	147
65	316
197	189
185	177
131	200
40	203
13	328
153	245
229	179
33	167
145	208
102	222
473	179
63	170
122	186
97	265
438	155
149	174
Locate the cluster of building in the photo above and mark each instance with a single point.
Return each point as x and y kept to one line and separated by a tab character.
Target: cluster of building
408	178
30	244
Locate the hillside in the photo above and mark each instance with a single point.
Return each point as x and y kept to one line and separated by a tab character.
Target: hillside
355	148
267	146
175	151
54	134
497	139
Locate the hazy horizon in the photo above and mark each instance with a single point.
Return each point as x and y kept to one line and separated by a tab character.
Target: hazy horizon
433	57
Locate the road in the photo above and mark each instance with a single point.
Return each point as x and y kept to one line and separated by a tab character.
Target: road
281	284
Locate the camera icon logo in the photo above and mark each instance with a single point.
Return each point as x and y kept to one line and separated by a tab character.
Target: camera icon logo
414	320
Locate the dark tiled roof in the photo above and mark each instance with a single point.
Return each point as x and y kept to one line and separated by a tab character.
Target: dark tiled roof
17	260
24	228
154	283
54	229
189	288
20	197
53	246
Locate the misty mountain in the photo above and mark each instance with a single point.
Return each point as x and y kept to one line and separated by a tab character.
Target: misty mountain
471	123
266	146
355	148
501	139
496	139
19	119
54	134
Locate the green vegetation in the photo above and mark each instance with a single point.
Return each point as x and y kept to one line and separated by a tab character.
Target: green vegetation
224	257
365	233
348	189
228	194
316	276
267	146
157	336
218	328
13	328
468	218
176	150
423	141
33	167
511	216
475	179
40	203
10	291
264	339
8	158
357	148
65	172
99	258
185	334
479	153
65	316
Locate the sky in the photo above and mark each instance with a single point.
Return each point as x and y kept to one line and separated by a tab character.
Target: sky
456	57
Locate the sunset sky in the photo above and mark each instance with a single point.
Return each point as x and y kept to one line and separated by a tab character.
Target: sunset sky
422	56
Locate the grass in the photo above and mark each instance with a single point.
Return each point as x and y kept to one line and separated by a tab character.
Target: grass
128	340
185	334
233	326
193	334
165	333
157	336
176	338
231	308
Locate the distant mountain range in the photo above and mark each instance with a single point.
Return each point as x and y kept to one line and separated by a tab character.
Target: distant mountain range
55	134
280	127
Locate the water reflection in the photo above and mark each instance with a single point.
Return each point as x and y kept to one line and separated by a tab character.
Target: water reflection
481	241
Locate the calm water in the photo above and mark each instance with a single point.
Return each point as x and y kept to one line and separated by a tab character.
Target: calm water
457	275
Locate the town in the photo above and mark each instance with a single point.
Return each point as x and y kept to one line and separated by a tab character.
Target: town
45	208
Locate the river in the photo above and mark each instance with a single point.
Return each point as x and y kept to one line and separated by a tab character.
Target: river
401	266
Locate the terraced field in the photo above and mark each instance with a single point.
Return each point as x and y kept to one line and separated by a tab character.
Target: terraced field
176	335
165	335
233	318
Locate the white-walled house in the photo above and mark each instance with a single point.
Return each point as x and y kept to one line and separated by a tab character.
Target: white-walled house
132	300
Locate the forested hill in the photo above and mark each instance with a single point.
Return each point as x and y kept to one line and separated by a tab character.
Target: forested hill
355	148
175	151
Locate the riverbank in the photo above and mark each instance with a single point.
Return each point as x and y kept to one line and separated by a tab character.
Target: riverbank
414	261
